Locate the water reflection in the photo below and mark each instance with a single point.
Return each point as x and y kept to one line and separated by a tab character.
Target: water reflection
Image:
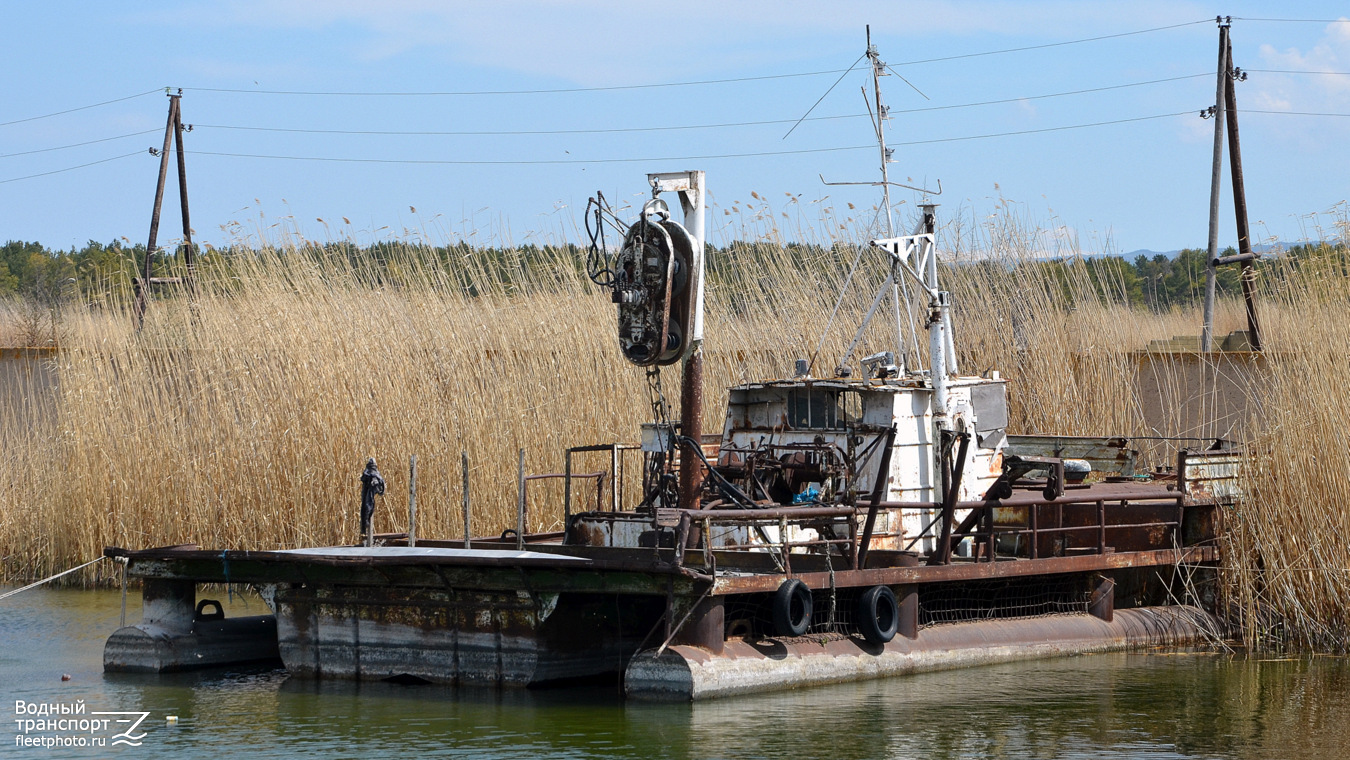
1140	705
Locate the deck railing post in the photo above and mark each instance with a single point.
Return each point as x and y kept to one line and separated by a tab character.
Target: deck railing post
520	502
412	501
614	478
567	488
1035	509
464	460
1101	526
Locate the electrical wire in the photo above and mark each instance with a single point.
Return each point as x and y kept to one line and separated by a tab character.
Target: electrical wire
1297	20
486	162
80	108
553	91
1052	94
1052	44
487	132
1292	113
611	88
1292	71
683	127
1044	129
72	168
78	144
756	154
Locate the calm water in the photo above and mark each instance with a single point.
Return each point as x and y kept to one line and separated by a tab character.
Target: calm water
1135	705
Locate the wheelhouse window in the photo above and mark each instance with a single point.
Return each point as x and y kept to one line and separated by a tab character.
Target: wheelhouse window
816	409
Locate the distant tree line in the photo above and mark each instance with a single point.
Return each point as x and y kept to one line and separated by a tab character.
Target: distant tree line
47	276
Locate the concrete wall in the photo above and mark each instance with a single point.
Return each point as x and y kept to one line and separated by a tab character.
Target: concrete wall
27	380
1203	395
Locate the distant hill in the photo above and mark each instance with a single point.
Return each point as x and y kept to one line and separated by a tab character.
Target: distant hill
1258	248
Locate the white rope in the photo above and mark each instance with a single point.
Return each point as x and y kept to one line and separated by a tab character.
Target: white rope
8	594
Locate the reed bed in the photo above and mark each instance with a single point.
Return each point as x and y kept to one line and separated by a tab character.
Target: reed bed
242	419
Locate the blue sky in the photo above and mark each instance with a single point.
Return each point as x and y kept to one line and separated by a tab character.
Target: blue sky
1140	184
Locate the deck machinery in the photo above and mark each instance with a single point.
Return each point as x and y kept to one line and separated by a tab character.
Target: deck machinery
876	521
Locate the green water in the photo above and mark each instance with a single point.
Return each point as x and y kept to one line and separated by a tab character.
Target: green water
1157	705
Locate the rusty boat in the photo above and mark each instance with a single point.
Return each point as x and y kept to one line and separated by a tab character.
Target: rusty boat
875	521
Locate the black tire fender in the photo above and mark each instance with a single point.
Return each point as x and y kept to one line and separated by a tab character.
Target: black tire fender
792	608
878	614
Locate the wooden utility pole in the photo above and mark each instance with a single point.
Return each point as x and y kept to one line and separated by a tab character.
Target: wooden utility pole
1225	114
1244	255
173	134
1220	90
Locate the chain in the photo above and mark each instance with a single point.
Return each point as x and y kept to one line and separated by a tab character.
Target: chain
657	398
661	415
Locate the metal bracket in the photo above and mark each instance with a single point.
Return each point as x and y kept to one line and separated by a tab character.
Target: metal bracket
923	190
683	183
908	244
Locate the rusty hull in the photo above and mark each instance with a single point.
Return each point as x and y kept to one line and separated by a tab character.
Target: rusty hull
450	617
688	673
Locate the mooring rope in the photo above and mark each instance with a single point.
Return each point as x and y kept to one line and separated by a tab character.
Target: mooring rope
8	594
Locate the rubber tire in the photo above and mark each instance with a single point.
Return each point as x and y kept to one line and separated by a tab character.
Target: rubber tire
878	614
792	609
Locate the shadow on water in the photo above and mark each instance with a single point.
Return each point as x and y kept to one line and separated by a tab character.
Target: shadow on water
1138	705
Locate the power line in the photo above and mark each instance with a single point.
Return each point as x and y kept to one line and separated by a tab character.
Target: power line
73	168
1293	71
1297	20
1044	129
523	92
1293	113
1052	44
78	144
612	130
756	154
488	162
560	90
1053	94
80	108
465	133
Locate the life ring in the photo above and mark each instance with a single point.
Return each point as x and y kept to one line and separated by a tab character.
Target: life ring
792	608
878	614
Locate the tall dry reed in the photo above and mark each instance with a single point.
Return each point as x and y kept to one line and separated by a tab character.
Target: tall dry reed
242	420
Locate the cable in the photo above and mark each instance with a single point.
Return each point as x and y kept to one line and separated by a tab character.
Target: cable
76	145
79	108
611	88
521	92
73	168
679	127
50	578
531	163
1291	71
1297	20
1045	129
676	158
1293	113
1053	94
822	97
485	132
1052	44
